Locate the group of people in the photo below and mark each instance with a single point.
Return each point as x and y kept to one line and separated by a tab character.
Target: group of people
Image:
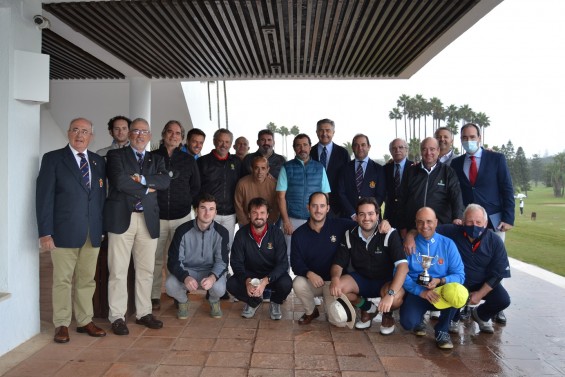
175	211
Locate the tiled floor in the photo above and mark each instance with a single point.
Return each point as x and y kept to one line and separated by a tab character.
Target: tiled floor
532	344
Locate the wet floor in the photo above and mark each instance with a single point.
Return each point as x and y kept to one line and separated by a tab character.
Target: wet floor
531	344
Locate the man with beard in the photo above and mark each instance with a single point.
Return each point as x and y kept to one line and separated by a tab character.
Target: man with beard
194	142
266	143
370	264
259	261
118	127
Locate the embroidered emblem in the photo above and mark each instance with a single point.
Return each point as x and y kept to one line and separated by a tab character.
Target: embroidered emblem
333	238
441	183
270	246
440	261
232	167
372	184
101	182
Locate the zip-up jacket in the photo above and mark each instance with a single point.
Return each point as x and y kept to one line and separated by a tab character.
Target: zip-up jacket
219	177
195	250
176	201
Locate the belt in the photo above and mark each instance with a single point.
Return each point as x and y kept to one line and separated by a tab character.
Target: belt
138	211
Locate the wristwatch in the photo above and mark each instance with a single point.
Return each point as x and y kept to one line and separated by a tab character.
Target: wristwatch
391	292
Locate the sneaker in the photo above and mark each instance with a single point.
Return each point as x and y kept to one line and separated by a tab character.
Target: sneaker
387	324
420	330
275	310
182	313
443	340
465	313
434	314
267	295
317	301
500	317
454	327
249	311
215	310
155	304
485	327
367	318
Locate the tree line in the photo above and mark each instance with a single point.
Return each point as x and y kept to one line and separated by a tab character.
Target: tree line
284	132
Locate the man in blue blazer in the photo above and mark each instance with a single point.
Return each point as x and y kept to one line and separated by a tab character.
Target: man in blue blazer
332	156
492	187
131	218
398	150
70	194
372	179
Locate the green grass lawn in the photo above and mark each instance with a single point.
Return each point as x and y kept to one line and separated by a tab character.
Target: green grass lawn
540	242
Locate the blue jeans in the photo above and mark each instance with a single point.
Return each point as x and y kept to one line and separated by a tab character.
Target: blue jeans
413	309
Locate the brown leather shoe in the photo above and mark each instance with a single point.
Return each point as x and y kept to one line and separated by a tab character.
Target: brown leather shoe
149	321
307	318
62	334
92	330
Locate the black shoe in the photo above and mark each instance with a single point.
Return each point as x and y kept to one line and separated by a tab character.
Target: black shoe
149	321
155	304
119	327
500	317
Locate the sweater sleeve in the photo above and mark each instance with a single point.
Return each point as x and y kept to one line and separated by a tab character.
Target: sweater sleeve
176	254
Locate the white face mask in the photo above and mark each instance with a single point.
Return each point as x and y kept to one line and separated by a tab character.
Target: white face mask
470	146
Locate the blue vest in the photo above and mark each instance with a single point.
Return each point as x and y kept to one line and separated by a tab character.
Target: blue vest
303	180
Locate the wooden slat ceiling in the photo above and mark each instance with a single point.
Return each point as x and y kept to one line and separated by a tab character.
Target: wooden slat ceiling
252	39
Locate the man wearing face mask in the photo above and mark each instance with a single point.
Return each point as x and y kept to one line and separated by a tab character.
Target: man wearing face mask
486	264
485	180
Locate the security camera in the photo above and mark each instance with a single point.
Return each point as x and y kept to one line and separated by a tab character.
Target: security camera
41	22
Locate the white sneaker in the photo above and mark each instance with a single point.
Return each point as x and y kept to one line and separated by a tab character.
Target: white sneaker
434	314
454	327
317	301
248	311
275	310
366	318
484	326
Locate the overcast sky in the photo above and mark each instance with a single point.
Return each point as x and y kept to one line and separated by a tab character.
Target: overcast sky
509	65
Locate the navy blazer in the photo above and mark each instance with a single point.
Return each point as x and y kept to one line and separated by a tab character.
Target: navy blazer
374	185
493	188
337	160
391	201
125	192
65	208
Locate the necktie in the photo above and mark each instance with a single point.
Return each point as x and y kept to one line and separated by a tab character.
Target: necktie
138	205
324	157
473	171
359	176
396	178
84	170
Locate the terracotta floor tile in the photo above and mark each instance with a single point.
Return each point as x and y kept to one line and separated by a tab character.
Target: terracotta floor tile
114	341
100	354
276	325
360	363
34	368
223	372
165	332
237	345
353	336
316	362
236	333
271	360
274	346
314	348
176	371
531	367
354	349
229	359
189	344
486	366
353	373
130	370
56	351
403	350
195	358
279	334
317	373
142	356
83	369
258	372
312	335
200	332
153	342
243	323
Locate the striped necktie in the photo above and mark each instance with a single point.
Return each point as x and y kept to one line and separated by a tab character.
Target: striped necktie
359	176
84	170
324	157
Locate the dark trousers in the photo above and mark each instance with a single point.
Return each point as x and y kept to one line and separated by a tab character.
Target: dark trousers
413	309
495	301
280	289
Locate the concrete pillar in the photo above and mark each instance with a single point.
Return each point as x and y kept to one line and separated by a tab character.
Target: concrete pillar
140	102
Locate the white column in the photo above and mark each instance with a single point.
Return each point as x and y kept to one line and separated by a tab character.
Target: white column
140	102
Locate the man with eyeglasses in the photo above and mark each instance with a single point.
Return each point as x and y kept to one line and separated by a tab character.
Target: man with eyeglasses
131	218
118	128
175	203
70	195
394	174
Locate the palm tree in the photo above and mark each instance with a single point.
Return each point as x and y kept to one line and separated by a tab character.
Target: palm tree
483	122
438	112
421	111
401	103
452	113
349	147
395	115
273	128
284	131
466	114
294	130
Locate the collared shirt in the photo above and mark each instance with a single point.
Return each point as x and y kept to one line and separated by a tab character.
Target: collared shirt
135	152
329	149
282	181
467	163
446	156
402	165
363	163
77	159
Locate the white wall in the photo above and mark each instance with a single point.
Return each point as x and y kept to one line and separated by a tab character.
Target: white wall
19	146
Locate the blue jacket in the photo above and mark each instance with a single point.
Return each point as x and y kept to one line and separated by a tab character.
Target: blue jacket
448	263
493	188
303	180
373	185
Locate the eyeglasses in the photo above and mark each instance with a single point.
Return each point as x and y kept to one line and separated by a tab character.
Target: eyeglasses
140	132
398	148
77	131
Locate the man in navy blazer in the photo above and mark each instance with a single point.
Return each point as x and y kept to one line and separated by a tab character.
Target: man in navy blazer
372	182
398	150
336	157
131	218
70	194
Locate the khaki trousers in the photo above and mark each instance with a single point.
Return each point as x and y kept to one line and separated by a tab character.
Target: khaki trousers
305	291
135	241
167	230
79	263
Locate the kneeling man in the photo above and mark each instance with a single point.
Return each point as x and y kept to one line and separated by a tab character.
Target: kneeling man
198	257
378	268
259	260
